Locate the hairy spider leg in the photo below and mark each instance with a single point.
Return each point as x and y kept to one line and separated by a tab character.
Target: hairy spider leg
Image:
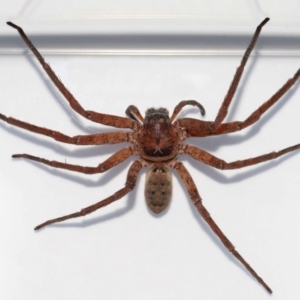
92	139
218	163
109	163
236	79
129	186
197	201
104	119
198	128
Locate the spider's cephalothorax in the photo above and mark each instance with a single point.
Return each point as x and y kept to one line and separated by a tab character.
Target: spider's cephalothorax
157	141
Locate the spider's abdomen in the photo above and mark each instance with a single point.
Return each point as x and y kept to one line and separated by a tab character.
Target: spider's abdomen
158	187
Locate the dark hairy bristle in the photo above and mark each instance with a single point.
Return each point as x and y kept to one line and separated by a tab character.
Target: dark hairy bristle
160	110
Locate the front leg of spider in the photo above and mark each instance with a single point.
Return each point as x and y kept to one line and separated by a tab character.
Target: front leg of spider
105	119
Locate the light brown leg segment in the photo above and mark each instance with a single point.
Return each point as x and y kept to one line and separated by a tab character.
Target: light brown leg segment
236	79
92	139
195	197
129	185
218	163
111	162
105	119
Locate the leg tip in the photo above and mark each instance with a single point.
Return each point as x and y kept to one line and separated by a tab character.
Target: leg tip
3	117
12	24
37	227
266	20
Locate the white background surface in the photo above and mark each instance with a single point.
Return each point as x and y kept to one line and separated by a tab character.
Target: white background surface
123	251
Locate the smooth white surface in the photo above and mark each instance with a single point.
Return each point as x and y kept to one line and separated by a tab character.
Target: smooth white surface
122	251
151	17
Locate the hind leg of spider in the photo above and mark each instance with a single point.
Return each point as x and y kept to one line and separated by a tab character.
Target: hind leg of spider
129	185
111	162
197	201
236	79
218	163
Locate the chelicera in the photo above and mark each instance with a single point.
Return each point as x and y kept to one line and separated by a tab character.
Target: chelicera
157	141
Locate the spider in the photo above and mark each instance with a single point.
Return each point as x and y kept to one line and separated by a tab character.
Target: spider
157	141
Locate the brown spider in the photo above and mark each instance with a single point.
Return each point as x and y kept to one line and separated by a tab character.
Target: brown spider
156	139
